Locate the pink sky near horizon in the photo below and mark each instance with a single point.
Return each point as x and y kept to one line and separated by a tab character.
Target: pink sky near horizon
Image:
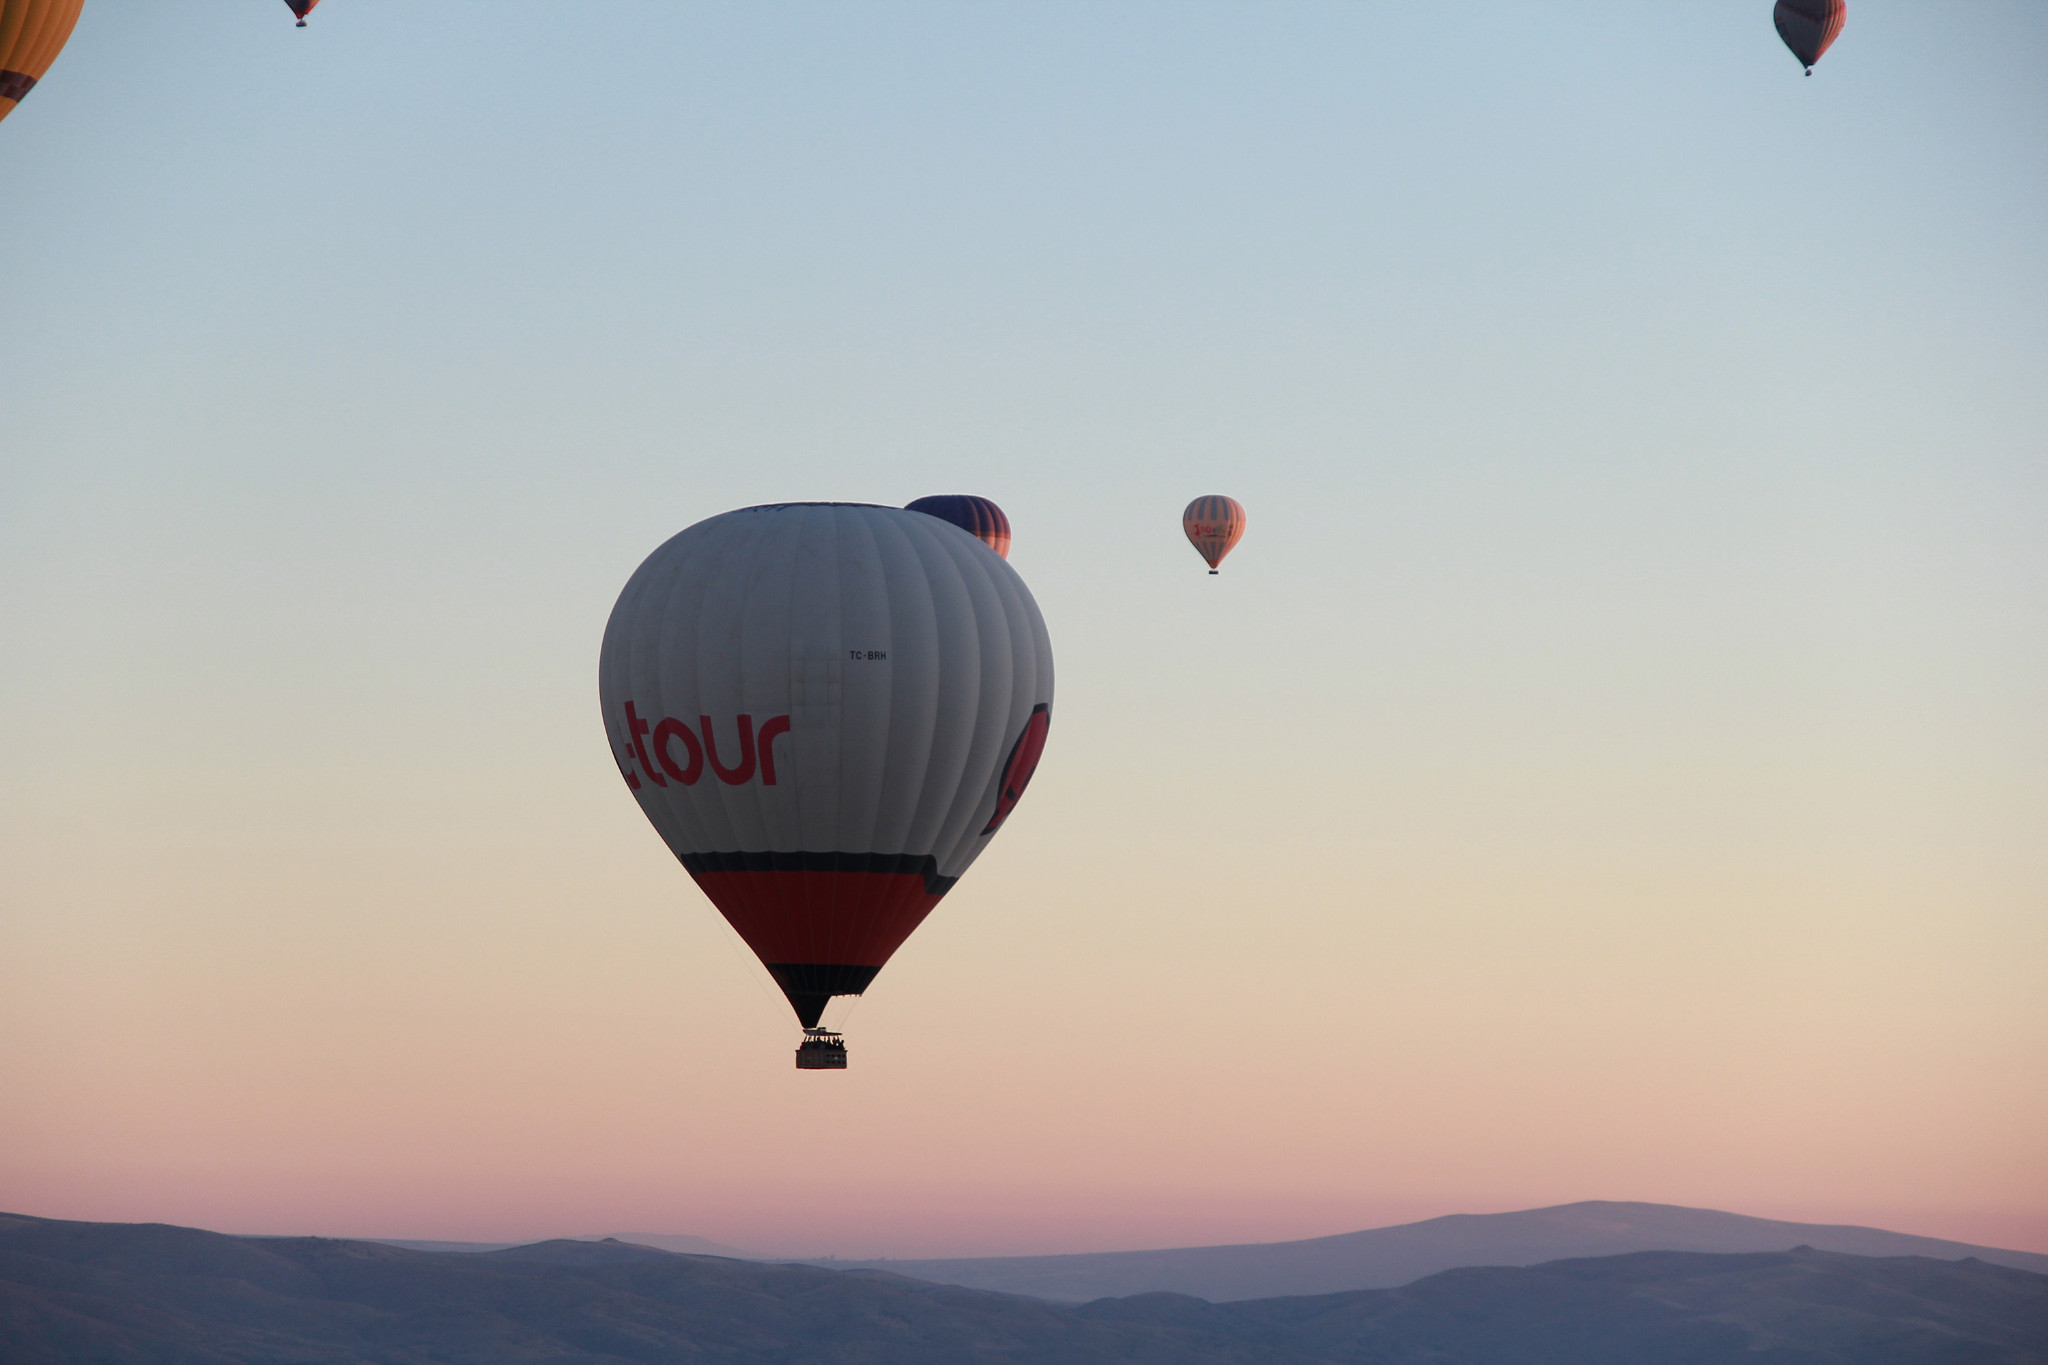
972	1222
452	1044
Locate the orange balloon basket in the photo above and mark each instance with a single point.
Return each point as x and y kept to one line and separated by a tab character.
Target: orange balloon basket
821	1050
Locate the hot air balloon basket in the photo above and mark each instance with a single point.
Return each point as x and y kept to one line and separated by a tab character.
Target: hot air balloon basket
821	1051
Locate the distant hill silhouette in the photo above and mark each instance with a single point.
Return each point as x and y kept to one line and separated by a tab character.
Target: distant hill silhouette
1385	1257
662	1241
689	1246
414	1245
147	1294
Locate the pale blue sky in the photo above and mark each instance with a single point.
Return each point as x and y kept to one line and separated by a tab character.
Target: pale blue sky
1626	708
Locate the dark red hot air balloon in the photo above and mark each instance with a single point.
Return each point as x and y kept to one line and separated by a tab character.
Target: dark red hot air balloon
302	8
978	517
1809	27
1214	524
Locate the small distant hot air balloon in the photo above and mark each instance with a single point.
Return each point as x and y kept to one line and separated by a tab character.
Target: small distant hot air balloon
1809	26
826	710
1214	524
32	33
978	517
302	8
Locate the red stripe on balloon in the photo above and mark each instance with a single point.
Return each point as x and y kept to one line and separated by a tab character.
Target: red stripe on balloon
855	918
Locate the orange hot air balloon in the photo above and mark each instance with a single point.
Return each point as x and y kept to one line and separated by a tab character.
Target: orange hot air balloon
32	33
1809	26
302	8
1214	525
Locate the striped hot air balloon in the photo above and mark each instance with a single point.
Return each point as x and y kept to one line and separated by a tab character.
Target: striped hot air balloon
1809	27
302	8
978	517
826	710
32	33
1214	525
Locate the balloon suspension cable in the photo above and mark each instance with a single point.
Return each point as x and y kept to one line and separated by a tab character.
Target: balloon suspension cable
852	1009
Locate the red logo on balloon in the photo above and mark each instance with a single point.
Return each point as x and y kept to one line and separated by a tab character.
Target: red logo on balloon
1023	762
670	747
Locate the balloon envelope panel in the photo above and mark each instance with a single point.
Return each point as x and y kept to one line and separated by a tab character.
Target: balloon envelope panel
821	708
32	33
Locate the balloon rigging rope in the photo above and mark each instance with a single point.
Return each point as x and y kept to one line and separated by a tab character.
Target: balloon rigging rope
750	964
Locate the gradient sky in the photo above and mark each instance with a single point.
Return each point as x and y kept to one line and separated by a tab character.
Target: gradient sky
1614	764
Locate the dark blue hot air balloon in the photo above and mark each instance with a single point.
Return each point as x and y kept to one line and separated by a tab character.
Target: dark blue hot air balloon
978	517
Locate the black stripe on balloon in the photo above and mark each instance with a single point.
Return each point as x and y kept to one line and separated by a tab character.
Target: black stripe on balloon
822	978
887	864
15	85
778	506
809	985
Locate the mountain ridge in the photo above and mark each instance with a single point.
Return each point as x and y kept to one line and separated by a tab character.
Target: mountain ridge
660	1241
152	1294
1383	1258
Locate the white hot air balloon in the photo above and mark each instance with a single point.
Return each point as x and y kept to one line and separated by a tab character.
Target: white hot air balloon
826	710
